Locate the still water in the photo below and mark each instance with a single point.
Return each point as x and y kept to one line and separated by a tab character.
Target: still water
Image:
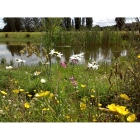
98	54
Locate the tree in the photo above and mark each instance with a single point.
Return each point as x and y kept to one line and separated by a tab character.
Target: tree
138	23
37	23
89	23
10	25
120	22
77	23
18	24
67	23
28	24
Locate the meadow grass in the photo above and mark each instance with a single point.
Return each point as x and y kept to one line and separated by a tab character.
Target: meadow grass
71	38
75	93
71	94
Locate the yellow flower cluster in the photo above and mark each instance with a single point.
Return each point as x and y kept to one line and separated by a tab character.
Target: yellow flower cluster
83	86
44	109
18	90
131	118
123	111
138	56
124	96
42	94
82	106
120	109
26	105
3	92
45	93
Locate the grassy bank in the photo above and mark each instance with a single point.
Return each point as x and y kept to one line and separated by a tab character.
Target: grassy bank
17	38
72	38
74	93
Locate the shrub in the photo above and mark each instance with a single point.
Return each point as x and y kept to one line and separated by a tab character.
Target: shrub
28	35
3	61
6	35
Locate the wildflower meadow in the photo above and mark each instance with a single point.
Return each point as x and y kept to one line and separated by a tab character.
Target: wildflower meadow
69	91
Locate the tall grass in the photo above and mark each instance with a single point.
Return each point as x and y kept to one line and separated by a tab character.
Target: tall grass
70	38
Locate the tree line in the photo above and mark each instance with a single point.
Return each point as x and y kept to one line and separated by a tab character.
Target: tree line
38	24
31	24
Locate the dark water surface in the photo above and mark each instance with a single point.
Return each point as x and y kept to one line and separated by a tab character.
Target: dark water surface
98	54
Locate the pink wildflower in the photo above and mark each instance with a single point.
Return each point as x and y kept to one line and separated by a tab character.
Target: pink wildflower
63	64
71	78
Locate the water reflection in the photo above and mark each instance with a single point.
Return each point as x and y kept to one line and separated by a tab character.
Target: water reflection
99	54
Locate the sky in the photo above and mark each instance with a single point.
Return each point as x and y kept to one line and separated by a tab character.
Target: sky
102	11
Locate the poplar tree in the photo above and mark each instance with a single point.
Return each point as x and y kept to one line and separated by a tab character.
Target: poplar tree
77	23
89	23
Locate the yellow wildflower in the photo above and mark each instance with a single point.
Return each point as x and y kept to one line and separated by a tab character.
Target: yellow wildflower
21	90
82	106
16	91
138	56
3	92
16	82
131	118
92	90
67	117
51	95
94	120
112	107
83	86
34	90
99	104
122	110
29	95
26	105
44	109
42	94
37	95
124	96
92	96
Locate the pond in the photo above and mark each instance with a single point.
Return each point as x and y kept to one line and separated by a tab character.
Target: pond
98	53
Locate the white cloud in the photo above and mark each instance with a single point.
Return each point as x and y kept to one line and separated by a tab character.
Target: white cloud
104	21
1	23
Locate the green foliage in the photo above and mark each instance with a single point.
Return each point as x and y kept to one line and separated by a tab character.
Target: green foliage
52	27
120	22
6	35
28	35
89	23
77	23
3	61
